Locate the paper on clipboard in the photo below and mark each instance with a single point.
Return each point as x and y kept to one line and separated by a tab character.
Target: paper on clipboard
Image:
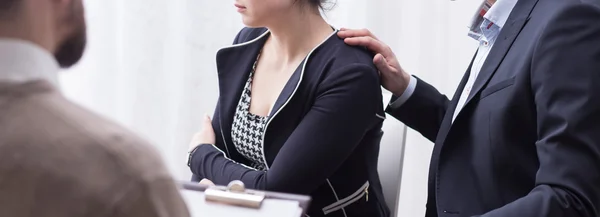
271	207
235	200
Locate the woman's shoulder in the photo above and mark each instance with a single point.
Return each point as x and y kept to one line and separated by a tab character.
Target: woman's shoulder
335	53
335	63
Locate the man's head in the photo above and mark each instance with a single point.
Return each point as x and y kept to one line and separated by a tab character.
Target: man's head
56	25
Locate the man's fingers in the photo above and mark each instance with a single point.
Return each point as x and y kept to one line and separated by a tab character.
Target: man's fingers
372	44
350	33
379	60
382	65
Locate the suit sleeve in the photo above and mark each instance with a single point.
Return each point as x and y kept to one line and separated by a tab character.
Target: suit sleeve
423	111
565	81
345	108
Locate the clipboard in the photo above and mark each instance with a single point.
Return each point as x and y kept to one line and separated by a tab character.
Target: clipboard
235	200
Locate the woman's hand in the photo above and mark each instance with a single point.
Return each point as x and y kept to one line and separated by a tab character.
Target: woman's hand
205	136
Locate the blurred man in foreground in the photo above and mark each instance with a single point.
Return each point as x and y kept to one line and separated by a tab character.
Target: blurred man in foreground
56	158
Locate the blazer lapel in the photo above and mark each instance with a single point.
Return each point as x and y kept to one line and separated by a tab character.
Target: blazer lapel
293	83
515	23
233	66
288	90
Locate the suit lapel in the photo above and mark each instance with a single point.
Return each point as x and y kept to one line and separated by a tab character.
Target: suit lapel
447	121
508	34
515	23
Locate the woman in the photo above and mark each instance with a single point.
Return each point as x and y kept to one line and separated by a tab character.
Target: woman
299	111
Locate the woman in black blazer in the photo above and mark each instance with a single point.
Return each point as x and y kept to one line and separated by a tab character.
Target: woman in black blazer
321	136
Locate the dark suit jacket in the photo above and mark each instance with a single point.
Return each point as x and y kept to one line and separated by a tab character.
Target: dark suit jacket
322	137
60	160
527	142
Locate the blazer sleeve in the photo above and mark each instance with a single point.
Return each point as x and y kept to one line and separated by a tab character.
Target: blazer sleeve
215	118
345	108
423	111
565	81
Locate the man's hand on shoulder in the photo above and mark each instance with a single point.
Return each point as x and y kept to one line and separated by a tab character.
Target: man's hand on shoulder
393	77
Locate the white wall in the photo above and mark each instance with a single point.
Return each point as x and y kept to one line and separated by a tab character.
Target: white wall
150	65
434	46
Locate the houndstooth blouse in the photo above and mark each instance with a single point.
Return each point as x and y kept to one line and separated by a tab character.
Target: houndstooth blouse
248	128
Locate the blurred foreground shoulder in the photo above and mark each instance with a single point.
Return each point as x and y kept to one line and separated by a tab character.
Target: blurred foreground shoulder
122	169
150	190
60	159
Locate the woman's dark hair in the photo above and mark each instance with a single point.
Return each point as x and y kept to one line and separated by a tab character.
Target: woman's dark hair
324	5
318	3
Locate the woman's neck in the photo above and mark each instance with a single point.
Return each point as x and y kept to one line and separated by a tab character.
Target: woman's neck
293	38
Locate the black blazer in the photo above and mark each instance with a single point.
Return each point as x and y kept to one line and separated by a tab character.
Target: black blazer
527	141
322	138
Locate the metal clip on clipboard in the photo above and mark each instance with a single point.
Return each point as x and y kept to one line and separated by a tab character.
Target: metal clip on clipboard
235	194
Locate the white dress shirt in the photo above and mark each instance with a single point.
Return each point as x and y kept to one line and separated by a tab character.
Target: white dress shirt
22	61
494	20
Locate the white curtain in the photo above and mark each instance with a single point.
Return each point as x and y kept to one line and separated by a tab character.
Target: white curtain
150	65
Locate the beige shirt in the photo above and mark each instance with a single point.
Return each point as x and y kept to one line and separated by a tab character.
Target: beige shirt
60	160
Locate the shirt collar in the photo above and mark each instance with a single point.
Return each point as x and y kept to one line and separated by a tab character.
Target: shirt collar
22	61
499	12
496	12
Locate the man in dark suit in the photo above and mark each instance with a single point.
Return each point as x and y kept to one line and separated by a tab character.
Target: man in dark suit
58	159
521	136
